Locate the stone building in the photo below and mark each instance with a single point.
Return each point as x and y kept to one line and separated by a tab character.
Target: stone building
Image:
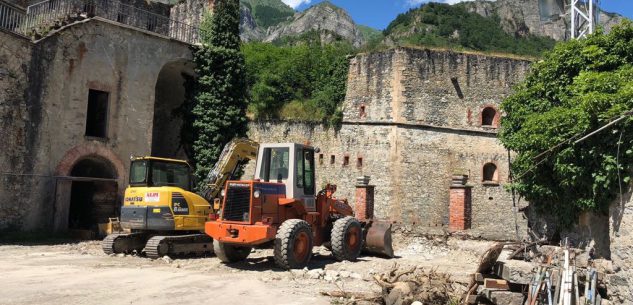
79	101
417	121
75	105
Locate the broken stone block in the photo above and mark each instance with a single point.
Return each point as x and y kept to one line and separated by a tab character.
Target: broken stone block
603	266
518	272
501	297
400	291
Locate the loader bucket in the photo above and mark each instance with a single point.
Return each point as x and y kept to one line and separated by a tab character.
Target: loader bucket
378	238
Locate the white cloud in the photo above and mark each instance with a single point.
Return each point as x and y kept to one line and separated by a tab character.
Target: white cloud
418	2
296	3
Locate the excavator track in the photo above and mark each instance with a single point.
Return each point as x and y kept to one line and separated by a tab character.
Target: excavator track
123	243
193	244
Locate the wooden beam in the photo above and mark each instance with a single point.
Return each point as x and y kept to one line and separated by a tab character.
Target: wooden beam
496	284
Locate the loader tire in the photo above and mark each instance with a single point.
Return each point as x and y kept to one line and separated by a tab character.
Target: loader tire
347	239
228	253
293	244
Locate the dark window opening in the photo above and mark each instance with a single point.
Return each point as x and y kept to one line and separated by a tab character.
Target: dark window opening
121	18
320	159
332	159
362	113
488	116
151	23
346	161
359	162
490	173
97	116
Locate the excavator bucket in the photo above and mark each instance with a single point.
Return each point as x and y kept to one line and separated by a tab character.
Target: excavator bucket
378	238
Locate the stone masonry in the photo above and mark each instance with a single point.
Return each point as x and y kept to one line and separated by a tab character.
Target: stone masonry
413	119
44	88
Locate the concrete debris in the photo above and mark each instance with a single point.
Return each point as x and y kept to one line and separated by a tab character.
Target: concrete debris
502	297
542	274
513	271
166	259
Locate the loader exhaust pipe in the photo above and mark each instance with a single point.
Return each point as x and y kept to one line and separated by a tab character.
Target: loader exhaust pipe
377	233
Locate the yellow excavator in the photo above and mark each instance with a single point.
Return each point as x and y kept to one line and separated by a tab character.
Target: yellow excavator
162	215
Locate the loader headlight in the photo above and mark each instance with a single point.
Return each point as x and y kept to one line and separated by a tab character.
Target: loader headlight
222	192
256	194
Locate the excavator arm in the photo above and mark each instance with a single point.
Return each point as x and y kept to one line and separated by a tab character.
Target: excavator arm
235	153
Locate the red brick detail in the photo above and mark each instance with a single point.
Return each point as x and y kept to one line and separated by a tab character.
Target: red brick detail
87	150
364	206
460	209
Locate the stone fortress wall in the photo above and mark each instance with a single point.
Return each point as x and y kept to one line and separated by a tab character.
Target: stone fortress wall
412	120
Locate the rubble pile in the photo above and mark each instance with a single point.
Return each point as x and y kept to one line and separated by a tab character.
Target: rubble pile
405	287
539	274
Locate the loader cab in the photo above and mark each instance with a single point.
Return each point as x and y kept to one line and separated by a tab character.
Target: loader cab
157	172
291	164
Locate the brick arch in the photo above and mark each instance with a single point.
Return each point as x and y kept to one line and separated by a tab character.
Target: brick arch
495	120
86	150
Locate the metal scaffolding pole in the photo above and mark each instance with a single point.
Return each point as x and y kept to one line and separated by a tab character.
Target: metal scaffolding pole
584	17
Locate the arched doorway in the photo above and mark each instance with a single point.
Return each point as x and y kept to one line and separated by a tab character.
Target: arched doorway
93	195
170	93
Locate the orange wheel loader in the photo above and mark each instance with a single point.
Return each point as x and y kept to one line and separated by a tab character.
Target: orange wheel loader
281	209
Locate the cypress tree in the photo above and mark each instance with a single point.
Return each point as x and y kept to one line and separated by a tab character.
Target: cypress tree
218	105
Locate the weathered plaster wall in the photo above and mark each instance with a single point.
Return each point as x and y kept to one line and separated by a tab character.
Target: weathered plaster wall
413	129
20	122
61	69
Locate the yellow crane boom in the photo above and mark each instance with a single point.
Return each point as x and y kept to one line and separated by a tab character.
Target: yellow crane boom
234	154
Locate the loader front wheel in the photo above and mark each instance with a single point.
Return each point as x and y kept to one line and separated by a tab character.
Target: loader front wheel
228	253
293	244
347	239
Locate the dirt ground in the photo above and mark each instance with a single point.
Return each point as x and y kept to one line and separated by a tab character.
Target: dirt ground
80	273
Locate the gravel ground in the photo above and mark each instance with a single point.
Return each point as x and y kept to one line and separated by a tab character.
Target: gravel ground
80	273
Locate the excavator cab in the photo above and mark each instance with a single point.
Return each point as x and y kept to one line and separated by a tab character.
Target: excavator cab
156	172
160	197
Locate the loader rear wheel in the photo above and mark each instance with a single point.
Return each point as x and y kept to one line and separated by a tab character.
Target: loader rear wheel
293	244
347	239
228	253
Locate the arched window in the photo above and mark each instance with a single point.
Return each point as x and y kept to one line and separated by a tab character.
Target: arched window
361	111
490	173
488	117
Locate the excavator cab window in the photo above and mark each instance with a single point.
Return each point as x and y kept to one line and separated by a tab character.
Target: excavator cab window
160	173
138	172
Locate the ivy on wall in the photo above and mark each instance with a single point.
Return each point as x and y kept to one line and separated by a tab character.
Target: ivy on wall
216	100
577	88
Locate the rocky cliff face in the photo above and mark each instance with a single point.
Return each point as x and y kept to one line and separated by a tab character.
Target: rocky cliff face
248	27
522	18
324	18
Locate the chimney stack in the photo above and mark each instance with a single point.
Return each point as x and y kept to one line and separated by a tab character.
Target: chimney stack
364	206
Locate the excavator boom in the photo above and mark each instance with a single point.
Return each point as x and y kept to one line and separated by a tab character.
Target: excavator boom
234	154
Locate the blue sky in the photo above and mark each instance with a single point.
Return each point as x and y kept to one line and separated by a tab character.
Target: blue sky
378	13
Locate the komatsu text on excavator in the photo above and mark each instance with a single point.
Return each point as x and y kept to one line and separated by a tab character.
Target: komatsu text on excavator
161	213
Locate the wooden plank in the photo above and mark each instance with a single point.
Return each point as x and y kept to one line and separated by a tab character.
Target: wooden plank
496	284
